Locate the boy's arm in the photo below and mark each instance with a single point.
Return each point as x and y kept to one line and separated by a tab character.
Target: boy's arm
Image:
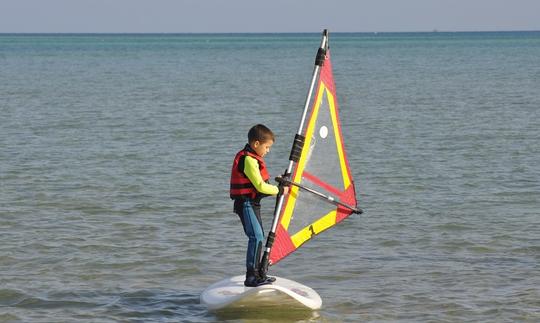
251	169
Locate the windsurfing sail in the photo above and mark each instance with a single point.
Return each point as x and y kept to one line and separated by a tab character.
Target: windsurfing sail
322	190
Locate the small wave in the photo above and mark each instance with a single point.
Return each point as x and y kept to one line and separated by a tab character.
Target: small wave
9	318
36	302
452	227
532	250
391	243
153	304
482	249
9	297
138	304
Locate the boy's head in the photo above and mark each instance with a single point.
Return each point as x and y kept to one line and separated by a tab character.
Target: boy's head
260	138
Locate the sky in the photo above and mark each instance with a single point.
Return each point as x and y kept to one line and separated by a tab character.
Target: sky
230	16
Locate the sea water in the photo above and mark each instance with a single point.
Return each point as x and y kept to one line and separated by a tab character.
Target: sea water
115	153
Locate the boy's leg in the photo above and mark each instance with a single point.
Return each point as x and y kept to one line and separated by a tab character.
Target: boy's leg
253	229
261	273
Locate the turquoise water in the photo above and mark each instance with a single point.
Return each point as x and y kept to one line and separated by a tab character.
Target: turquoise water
114	163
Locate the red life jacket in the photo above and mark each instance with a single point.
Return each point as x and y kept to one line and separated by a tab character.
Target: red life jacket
241	186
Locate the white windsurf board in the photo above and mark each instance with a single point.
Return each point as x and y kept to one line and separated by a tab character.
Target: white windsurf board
231	293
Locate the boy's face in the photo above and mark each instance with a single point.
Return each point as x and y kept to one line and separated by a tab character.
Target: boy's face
262	148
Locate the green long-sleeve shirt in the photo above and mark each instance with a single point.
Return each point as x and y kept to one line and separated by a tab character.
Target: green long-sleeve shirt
251	169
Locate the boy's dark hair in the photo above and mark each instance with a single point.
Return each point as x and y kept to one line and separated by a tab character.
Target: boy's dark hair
261	133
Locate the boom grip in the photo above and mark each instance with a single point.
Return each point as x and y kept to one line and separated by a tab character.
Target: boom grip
283	181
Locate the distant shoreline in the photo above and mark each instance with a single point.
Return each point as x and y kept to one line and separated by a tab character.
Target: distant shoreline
275	33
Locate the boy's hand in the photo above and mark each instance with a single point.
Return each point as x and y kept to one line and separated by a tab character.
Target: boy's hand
283	182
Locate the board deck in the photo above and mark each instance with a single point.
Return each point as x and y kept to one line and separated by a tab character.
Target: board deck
231	293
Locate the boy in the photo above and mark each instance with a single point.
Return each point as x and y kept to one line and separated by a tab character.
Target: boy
249	183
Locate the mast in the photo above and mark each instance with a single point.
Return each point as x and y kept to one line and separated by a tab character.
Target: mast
295	150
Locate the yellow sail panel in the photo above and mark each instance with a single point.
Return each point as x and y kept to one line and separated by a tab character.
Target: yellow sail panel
318	226
339	144
289	207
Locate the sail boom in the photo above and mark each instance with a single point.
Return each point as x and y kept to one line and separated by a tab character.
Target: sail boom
326	197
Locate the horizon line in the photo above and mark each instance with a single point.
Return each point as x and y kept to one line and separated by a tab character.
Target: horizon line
267	32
